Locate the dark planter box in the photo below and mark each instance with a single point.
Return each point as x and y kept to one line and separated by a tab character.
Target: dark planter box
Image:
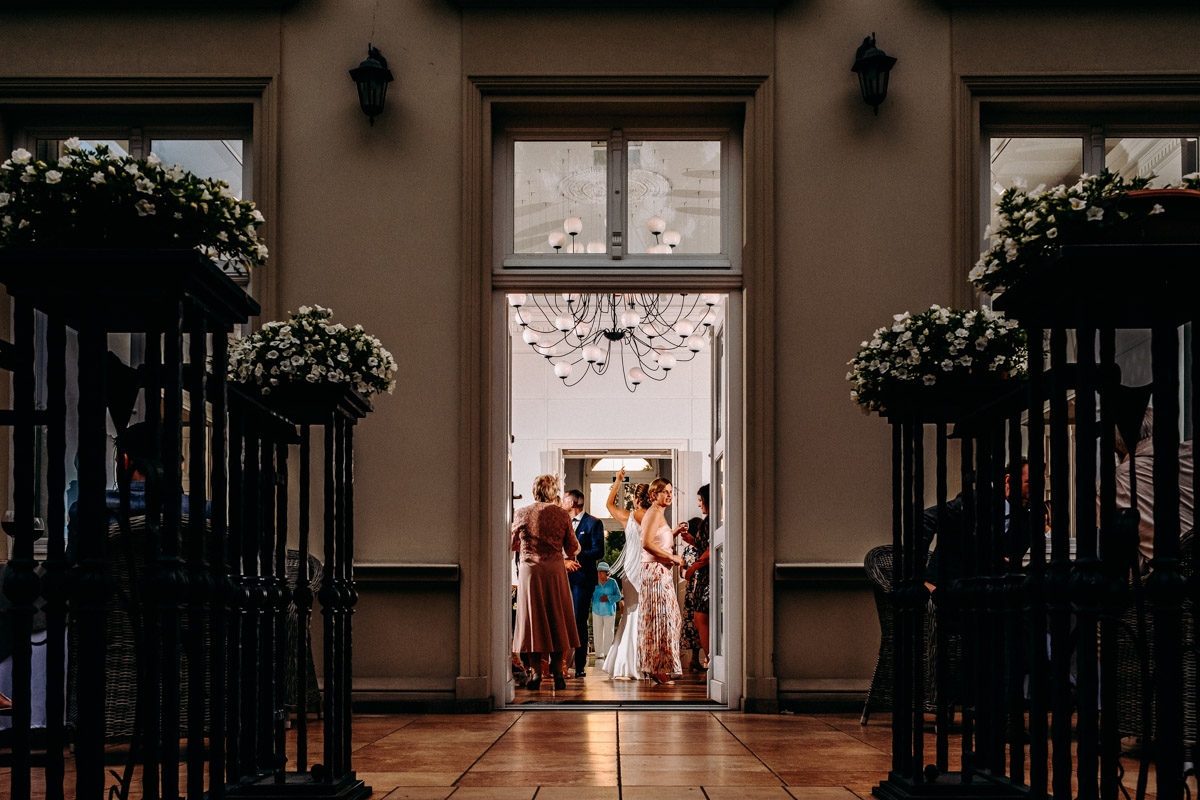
121	290
956	400
314	404
1108	285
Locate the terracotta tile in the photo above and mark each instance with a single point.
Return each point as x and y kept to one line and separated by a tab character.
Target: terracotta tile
540	778
817	793
584	746
497	792
380	781
703	747
671	777
565	761
687	764
577	793
747	793
661	792
417	793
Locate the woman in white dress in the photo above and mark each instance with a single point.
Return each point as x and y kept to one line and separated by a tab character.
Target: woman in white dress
621	660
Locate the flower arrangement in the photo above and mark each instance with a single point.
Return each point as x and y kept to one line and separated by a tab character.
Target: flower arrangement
939	347
308	348
95	199
1033	223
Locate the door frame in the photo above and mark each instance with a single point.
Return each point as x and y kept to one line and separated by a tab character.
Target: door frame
483	451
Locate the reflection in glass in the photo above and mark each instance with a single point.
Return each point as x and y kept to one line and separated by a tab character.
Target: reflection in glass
674	197
719	382
208	158
53	149
560	189
1036	161
1167	159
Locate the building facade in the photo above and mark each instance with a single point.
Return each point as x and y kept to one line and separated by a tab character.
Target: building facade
833	219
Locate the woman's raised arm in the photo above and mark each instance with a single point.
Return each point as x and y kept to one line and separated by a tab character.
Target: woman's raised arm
619	514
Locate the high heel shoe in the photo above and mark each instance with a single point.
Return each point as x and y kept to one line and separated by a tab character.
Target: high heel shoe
559	681
662	679
534	683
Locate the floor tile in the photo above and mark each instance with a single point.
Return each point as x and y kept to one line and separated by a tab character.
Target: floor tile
661	792
577	793
539	778
390	780
417	793
747	793
497	792
818	793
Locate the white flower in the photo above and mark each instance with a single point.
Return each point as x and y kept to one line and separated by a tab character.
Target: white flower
223	236
132	168
4	198
304	310
23	224
21	156
97	177
1020	183
1078	203
53	176
65	162
144	208
1158	209
1052	233
175	173
257	216
72	143
6	222
154	161
930	380
1095	214
947	365
144	185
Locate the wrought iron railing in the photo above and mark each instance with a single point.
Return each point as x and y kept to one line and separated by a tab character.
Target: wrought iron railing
1049	645
167	614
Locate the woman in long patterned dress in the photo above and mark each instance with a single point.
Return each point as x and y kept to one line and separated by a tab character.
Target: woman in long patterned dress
545	623
697	600
621	661
658	605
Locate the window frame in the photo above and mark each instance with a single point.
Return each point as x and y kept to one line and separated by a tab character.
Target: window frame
618	133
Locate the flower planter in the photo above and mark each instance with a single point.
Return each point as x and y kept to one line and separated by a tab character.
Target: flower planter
954	401
1180	222
122	290
1108	285
314	404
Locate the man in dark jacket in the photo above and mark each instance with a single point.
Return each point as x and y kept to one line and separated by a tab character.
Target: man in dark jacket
590	533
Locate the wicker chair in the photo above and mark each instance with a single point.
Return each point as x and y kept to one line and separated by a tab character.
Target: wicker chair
878	564
127	558
1130	685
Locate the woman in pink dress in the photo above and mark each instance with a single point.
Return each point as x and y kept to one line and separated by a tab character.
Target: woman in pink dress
658	610
545	623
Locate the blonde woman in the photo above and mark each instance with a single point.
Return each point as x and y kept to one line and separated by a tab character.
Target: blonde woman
621	661
545	623
659	621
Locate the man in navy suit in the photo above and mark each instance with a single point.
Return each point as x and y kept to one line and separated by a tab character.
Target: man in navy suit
590	533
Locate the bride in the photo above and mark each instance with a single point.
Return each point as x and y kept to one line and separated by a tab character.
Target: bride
622	658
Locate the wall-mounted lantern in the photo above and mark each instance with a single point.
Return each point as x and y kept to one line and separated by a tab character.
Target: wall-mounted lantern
873	66
372	77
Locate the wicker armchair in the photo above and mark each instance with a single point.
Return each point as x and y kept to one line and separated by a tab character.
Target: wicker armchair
127	559
1130	686
878	564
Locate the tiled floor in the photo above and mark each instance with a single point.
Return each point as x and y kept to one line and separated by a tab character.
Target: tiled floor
579	754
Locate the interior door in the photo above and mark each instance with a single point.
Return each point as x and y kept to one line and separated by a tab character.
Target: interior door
719	519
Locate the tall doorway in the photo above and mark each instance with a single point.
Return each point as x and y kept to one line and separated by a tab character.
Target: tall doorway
681	424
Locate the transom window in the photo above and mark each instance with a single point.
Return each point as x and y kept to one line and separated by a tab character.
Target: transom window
603	198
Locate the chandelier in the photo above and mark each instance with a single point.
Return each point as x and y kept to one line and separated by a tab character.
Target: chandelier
647	335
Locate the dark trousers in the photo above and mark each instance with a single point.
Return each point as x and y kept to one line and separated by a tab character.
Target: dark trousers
582	595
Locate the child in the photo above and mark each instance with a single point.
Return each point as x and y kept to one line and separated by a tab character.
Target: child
605	598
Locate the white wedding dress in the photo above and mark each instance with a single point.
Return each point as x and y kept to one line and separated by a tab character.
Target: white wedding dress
622	658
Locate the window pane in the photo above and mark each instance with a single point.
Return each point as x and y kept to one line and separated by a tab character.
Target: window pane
208	158
558	181
1167	158
1035	161
679	184
52	149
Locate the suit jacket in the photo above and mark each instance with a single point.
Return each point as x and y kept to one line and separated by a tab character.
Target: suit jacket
590	533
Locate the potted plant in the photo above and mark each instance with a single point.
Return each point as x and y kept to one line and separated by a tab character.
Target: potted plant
93	199
308	362
117	242
938	358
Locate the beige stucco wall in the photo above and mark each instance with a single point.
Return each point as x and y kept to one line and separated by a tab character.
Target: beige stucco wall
369	222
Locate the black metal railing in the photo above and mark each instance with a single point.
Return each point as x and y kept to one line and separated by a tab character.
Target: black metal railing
1064	633
167	614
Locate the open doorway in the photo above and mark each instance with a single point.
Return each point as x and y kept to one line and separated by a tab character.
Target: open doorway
671	424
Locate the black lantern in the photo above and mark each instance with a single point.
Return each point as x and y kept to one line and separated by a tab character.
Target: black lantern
872	66
372	77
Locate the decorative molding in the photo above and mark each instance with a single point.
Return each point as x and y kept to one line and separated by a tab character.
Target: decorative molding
377	574
850	574
482	469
